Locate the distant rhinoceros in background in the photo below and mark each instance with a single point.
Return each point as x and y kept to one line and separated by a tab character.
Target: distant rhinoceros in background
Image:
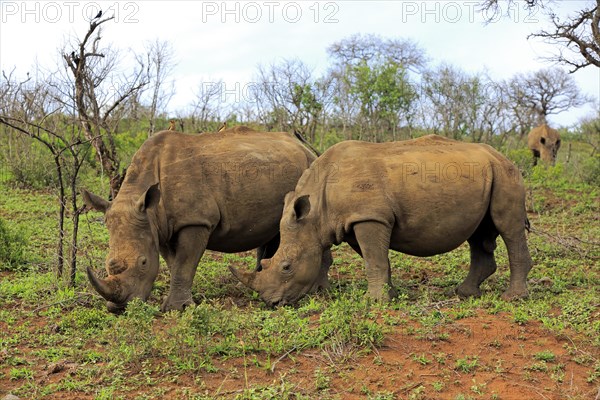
186	193
421	197
544	143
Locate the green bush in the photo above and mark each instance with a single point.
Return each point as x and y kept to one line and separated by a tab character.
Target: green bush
591	170
12	245
29	165
522	159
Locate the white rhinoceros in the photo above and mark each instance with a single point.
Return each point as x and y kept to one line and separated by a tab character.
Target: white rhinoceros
421	197
183	194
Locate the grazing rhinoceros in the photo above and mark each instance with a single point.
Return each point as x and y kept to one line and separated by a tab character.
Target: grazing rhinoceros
544	143
186	193
421	197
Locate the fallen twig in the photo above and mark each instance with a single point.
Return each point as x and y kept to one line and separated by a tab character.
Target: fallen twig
282	357
571	243
75	299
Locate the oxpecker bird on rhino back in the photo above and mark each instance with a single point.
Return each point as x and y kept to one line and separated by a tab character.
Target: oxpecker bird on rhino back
421	197
186	193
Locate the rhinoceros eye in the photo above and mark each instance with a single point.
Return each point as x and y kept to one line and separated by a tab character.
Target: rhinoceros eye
142	262
286	267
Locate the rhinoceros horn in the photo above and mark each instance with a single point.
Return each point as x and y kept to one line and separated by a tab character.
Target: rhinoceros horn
247	278
109	289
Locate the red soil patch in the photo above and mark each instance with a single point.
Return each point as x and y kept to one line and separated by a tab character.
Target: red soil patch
497	354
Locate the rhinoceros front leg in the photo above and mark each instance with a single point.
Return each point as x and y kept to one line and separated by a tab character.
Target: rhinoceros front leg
322	282
373	238
183	261
482	266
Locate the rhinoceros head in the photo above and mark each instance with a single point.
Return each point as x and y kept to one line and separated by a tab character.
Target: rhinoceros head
294	269
132	261
544	142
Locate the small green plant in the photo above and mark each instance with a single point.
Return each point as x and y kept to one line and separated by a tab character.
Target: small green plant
438	386
546	355
421	359
539	366
499	367
520	316
467	364
461	396
417	393
382	396
478	388
322	380
21	373
594	374
440	358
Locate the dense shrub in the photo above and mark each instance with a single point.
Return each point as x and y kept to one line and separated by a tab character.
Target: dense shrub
523	159
12	245
590	172
28	164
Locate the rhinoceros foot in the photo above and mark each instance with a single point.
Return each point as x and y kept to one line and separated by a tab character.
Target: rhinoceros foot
464	290
514	294
384	294
178	303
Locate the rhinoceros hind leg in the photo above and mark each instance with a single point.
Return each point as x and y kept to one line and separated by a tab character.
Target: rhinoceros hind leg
267	251
483	264
520	264
190	245
374	241
510	217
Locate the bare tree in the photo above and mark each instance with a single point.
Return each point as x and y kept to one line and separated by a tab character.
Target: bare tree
287	97
31	109
589	132
546	92
207	106
374	49
521	116
100	96
577	37
160	55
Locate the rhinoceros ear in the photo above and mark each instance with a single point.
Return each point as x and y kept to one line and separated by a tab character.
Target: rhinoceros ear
150	198
95	202
302	207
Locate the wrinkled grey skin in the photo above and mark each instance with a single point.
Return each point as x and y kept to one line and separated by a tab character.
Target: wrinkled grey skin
421	197
186	193
544	143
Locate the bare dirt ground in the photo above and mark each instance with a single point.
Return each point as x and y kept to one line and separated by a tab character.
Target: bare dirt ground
498	354
502	347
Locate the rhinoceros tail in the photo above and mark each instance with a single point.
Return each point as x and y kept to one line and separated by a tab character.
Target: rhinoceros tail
527	224
301	138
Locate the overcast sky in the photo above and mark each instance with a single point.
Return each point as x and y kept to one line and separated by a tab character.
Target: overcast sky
229	39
